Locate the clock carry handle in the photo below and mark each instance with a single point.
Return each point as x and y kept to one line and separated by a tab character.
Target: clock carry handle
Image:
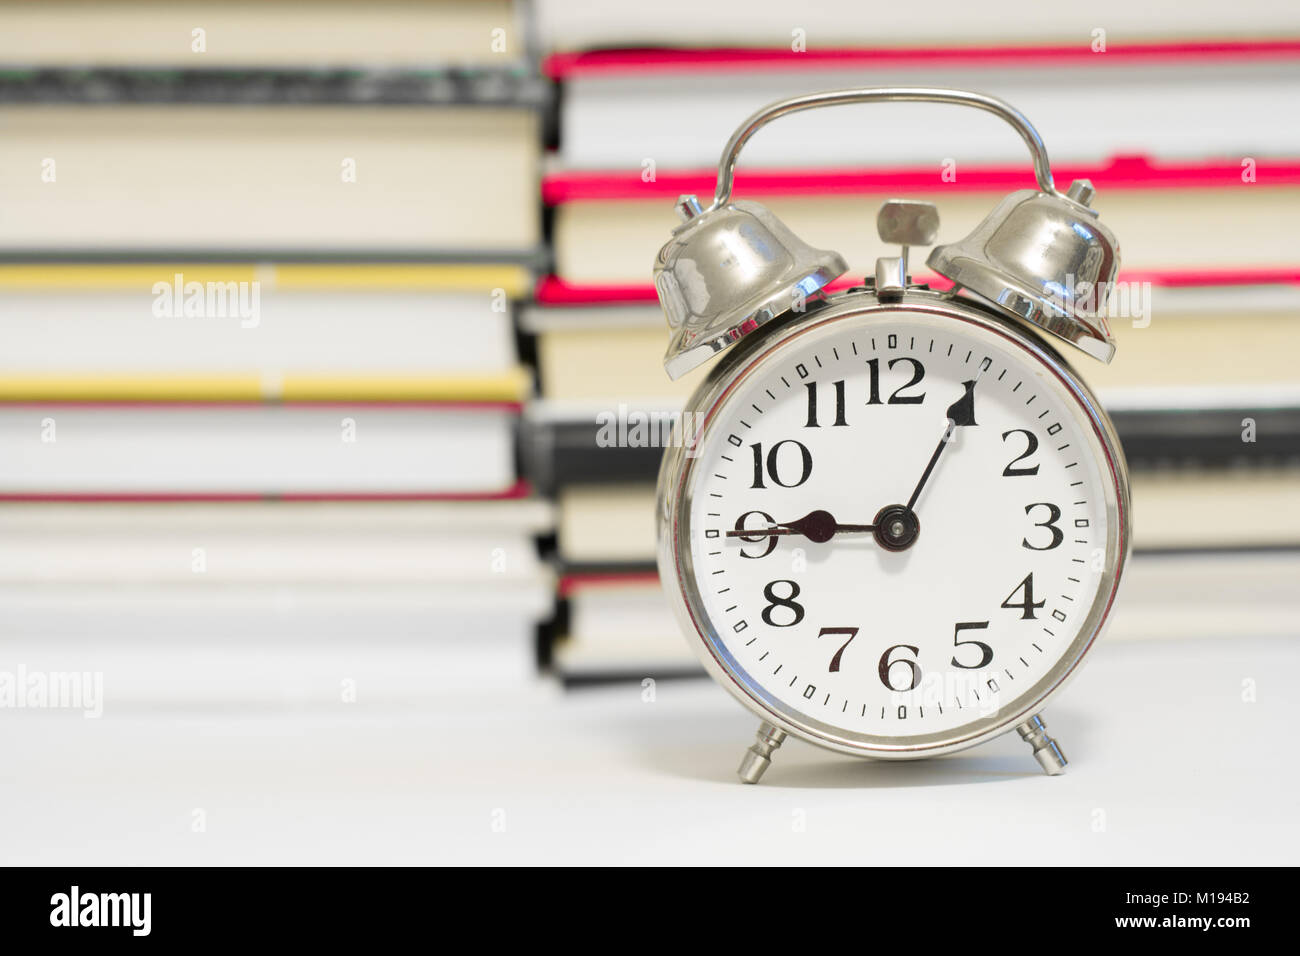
883	94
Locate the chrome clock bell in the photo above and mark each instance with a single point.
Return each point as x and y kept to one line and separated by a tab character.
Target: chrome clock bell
903	521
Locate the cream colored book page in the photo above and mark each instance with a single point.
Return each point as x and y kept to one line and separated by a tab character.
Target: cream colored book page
1198	350
616	242
1170	510
571	25
258	33
607	523
1176	509
275	177
1181	597
607	366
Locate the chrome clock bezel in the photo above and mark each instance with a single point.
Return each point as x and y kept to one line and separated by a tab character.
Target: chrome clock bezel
675	496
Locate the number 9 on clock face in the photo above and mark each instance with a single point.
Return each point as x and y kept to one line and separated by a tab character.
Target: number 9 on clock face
899	529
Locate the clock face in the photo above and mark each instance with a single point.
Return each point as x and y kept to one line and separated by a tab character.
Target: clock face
899	529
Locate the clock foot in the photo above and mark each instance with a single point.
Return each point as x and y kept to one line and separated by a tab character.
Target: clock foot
759	756
1046	750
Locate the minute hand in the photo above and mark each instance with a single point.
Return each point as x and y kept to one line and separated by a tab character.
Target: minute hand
960	413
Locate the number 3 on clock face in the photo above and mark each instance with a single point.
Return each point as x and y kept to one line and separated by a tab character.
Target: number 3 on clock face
900	528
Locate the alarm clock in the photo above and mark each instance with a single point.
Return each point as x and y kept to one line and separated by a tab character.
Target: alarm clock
900	520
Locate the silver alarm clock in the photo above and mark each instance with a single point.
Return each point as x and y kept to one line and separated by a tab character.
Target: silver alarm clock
903	518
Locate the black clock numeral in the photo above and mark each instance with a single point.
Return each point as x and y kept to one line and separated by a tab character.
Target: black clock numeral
1053	515
886	666
890	661
1027	606
852	632
774	601
1011	471
773	464
986	652
759	535
812	404
897	398
918	373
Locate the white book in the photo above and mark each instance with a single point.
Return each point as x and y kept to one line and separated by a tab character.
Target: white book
433	662
321	520
616	242
626	630
1203	347
629	630
270	604
1085	113
255	449
262	35
583	24
297	615
276	178
616	523
69	331
600	524
463	551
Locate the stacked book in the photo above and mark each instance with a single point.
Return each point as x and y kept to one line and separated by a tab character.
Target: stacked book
1193	173
277	426
260	383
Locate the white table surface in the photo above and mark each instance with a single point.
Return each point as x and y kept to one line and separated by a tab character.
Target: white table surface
1168	766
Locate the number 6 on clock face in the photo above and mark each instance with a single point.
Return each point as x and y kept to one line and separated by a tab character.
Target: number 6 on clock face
945	480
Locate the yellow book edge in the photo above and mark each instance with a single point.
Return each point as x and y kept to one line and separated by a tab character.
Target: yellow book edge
511	386
516	281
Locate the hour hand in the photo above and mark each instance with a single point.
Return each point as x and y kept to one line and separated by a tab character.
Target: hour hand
817	526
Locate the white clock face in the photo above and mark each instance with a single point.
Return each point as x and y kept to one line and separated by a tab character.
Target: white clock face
898	527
